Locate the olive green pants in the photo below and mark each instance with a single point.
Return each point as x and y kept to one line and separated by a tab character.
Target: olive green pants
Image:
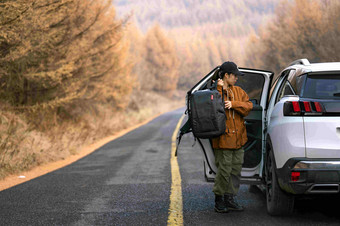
229	165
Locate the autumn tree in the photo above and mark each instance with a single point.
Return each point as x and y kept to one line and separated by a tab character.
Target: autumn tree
301	29
137	50
186	70
200	56
161	62
62	53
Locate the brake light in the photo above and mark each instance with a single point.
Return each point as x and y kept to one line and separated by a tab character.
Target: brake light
296	106
302	108
318	107
295	176
307	106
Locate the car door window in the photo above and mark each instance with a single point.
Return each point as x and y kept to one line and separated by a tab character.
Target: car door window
276	85
286	86
253	85
296	82
287	90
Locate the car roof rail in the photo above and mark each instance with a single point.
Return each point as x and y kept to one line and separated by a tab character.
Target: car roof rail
303	61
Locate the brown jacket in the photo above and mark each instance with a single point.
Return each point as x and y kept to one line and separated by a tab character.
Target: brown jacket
236	135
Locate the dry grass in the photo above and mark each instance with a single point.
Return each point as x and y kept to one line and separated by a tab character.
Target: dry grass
22	148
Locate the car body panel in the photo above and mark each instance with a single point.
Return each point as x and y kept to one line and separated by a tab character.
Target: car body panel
322	137
286	134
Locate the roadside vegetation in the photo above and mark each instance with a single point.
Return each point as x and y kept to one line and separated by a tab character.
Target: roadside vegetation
73	72
67	78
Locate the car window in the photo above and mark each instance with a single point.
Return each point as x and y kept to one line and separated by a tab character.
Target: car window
282	85
322	87
296	82
286	90
253	85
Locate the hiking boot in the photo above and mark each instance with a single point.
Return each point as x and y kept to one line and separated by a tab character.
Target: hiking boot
231	203
220	206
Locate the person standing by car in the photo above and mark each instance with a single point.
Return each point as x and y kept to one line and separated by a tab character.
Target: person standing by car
228	148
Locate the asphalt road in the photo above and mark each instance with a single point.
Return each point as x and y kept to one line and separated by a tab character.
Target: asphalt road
128	181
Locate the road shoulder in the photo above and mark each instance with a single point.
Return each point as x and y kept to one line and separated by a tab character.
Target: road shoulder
38	171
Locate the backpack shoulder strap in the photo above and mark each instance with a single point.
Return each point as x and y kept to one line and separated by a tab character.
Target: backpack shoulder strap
186	128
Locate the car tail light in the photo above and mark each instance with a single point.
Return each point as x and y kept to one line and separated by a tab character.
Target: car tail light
296	106
295	176
318	107
306	104
302	108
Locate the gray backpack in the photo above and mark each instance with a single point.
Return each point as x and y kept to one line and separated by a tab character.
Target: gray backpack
206	114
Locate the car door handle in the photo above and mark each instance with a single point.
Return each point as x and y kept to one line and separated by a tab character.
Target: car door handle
338	131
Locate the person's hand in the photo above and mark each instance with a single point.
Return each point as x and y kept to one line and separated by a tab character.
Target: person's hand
220	82
227	104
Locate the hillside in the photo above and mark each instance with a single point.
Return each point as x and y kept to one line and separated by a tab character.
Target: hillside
237	15
205	33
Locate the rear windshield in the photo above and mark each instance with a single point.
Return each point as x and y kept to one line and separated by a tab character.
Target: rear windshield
322	87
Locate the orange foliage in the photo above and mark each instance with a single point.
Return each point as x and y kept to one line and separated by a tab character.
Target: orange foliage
161	62
206	33
60	54
301	29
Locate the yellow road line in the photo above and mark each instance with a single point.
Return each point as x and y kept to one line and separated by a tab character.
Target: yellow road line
176	203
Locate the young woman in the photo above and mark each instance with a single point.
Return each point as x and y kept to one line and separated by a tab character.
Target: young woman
228	148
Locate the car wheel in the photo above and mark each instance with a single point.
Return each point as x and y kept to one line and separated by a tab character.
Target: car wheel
278	202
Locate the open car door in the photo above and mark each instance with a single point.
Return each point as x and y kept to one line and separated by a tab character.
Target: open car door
256	84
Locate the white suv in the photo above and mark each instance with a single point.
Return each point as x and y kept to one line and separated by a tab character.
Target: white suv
293	132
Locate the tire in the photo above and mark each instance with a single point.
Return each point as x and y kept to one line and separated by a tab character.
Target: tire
278	202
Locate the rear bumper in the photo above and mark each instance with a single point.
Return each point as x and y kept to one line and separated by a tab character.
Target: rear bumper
316	176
